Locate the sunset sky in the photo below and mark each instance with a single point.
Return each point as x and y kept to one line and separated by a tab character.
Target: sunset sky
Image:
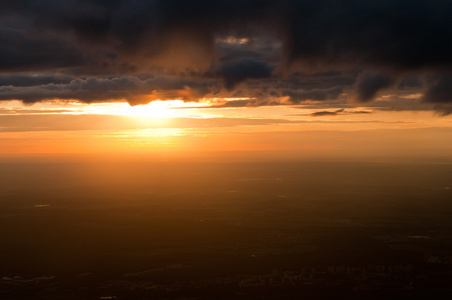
292	78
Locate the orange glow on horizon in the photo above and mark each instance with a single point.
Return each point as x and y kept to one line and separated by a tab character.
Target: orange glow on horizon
209	125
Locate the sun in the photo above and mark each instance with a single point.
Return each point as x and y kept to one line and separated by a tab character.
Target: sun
154	109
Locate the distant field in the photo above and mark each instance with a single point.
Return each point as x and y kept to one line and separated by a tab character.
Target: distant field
168	221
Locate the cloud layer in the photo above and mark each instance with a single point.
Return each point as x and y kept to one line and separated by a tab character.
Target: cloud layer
301	50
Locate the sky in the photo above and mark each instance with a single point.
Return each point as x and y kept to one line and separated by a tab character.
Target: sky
291	78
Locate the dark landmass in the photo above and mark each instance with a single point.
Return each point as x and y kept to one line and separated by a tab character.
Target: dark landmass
225	230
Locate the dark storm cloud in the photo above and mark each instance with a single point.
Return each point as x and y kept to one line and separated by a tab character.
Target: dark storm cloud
369	84
439	89
233	42
410	82
21	51
402	35
22	80
236	72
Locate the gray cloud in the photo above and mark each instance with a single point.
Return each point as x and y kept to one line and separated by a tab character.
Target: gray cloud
444	109
326	113
236	72
369	84
24	80
439	89
319	95
104	89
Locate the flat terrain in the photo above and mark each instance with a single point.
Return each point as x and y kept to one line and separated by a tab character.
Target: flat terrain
178	230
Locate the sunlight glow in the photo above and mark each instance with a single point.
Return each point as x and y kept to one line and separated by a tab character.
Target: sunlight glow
156	109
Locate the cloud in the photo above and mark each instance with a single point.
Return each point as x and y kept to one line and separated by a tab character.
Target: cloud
404	108
317	95
24	51
444	109
95	89
369	84
399	35
360	112
235	72
439	89
24	80
306	50
326	113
